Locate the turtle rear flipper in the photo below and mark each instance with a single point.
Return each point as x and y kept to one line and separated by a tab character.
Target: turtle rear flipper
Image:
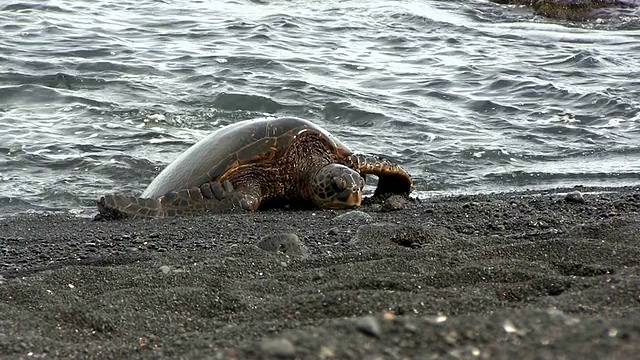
392	179
210	196
118	206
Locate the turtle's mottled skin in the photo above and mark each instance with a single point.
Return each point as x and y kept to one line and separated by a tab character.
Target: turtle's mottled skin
256	164
580	10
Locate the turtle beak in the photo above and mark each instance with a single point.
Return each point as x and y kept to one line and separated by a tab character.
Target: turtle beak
350	198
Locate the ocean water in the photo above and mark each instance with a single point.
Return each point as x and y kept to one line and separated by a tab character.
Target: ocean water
469	96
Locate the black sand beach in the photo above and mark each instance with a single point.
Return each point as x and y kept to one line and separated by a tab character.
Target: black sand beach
506	276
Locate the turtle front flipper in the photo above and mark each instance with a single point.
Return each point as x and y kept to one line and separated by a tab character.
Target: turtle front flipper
210	196
392	179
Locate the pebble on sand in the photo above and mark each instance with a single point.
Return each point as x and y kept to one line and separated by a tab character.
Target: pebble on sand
278	347
396	202
575	197
369	325
374	235
355	216
286	243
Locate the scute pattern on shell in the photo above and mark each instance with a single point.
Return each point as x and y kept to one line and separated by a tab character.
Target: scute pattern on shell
238	144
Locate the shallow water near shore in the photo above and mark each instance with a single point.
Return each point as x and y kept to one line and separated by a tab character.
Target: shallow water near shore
468	96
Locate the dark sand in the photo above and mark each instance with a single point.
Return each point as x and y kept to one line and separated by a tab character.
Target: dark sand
508	276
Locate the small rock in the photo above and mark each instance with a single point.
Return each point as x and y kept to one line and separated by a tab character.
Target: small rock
451	337
278	347
396	202
333	231
388	315
165	269
355	215
558	314
369	325
374	235
286	243
575	197
411	328
326	353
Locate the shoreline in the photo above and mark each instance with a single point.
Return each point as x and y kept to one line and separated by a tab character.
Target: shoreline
506	275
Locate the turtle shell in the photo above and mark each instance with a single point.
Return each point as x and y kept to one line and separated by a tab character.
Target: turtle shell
244	142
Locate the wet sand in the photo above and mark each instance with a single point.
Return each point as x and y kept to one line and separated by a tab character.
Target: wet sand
498	276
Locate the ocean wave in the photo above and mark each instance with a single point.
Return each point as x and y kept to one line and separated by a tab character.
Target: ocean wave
99	97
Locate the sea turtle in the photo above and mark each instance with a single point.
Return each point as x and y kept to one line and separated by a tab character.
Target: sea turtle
256	164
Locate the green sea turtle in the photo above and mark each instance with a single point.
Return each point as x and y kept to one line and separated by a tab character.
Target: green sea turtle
256	164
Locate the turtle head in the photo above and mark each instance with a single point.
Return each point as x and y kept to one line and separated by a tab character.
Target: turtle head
337	187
